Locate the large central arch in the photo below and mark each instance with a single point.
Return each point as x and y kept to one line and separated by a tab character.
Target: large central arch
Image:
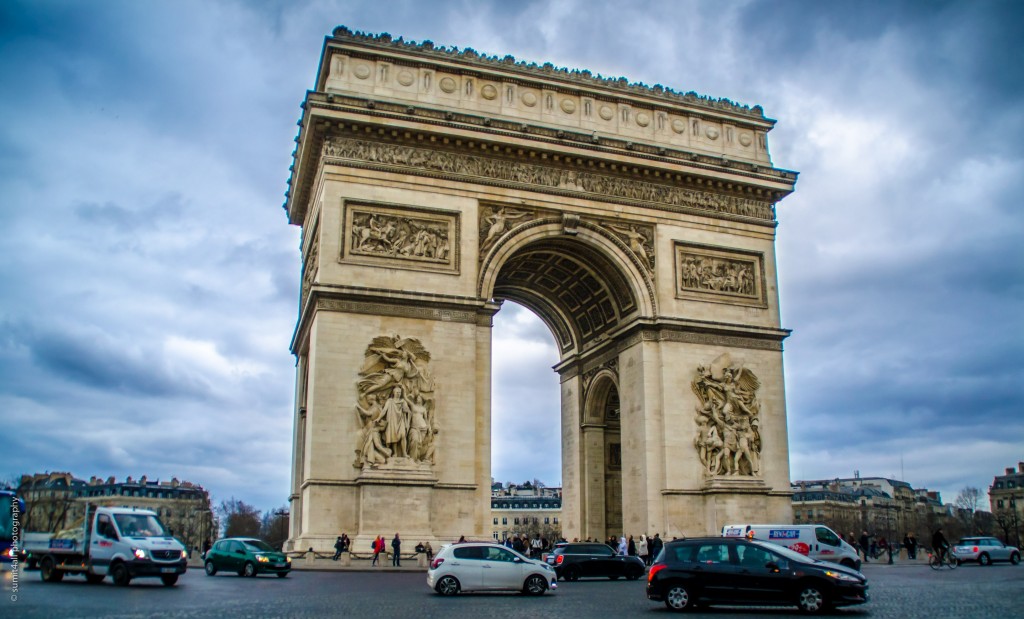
637	223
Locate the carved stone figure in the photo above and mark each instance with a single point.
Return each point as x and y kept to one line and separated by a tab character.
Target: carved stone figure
497	224
395	406
728	441
638	243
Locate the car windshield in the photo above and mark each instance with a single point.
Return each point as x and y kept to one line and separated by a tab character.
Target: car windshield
257	545
139	525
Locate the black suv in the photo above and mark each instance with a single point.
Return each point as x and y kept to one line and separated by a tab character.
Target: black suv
739	572
575	561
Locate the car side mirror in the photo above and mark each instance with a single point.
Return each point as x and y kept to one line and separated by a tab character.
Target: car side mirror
517	560
773	566
239	551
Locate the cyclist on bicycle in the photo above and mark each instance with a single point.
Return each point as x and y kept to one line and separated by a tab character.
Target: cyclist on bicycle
939	544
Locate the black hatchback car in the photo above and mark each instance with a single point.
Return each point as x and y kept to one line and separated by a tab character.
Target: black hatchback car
740	572
581	560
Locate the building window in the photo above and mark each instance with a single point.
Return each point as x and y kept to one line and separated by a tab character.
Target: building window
495	521
555	520
547	520
1011	484
517	520
999	504
504	521
535	521
796	515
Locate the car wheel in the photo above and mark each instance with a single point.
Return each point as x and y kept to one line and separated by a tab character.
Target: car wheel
572	573
535	585
249	570
94	579
48	570
211	569
448	585
169	580
282	574
1015	558
678	598
984	559
119	574
812	599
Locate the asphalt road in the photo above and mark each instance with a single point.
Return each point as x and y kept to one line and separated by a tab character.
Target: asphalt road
896	592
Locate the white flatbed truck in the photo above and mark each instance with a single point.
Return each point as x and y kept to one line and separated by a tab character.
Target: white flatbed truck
120	542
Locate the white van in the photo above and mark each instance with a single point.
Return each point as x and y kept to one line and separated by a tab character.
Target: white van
814	540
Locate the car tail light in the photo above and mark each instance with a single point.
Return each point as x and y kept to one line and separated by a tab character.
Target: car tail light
559	559
436	563
657	567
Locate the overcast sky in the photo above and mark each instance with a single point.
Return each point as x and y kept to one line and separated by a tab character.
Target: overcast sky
150	279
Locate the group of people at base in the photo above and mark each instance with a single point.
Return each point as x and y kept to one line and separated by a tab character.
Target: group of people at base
379	546
647	548
870	547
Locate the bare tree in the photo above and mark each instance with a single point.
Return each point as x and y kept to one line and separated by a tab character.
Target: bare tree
967	505
240	518
274	527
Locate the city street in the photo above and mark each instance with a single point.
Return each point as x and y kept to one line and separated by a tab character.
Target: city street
903	592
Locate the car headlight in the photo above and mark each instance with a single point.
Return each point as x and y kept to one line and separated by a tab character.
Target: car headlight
841	576
184	555
287	559
262	559
139	553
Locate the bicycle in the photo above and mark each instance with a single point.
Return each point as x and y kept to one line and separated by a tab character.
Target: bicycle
947	560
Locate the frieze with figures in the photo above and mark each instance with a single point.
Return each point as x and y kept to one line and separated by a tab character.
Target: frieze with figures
728	416
721	275
533	176
402	236
395	405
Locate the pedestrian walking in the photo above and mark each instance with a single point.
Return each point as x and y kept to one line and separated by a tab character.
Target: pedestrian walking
911	544
339	546
377	545
643	549
631	547
656	545
429	550
396	548
865	545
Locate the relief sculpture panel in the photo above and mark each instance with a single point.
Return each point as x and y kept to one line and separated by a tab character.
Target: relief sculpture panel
402	237
720	275
395	406
495	221
728	418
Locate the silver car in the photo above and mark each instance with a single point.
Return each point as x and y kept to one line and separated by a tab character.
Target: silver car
985	550
483	566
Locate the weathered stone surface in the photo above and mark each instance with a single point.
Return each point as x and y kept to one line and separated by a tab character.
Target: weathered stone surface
430	187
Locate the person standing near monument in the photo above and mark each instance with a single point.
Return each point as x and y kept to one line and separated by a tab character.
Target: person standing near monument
865	545
378	546
656	545
396	549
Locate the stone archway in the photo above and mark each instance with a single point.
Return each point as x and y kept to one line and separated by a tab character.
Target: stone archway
637	223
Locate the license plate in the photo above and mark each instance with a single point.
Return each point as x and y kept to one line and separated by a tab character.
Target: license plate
168	570
279	565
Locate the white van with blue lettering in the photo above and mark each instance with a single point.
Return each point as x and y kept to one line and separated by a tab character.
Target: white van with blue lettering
814	540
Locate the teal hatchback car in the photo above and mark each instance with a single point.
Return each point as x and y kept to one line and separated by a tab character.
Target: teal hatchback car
246	556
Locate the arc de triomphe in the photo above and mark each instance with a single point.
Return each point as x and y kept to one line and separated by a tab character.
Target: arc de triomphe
638	223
